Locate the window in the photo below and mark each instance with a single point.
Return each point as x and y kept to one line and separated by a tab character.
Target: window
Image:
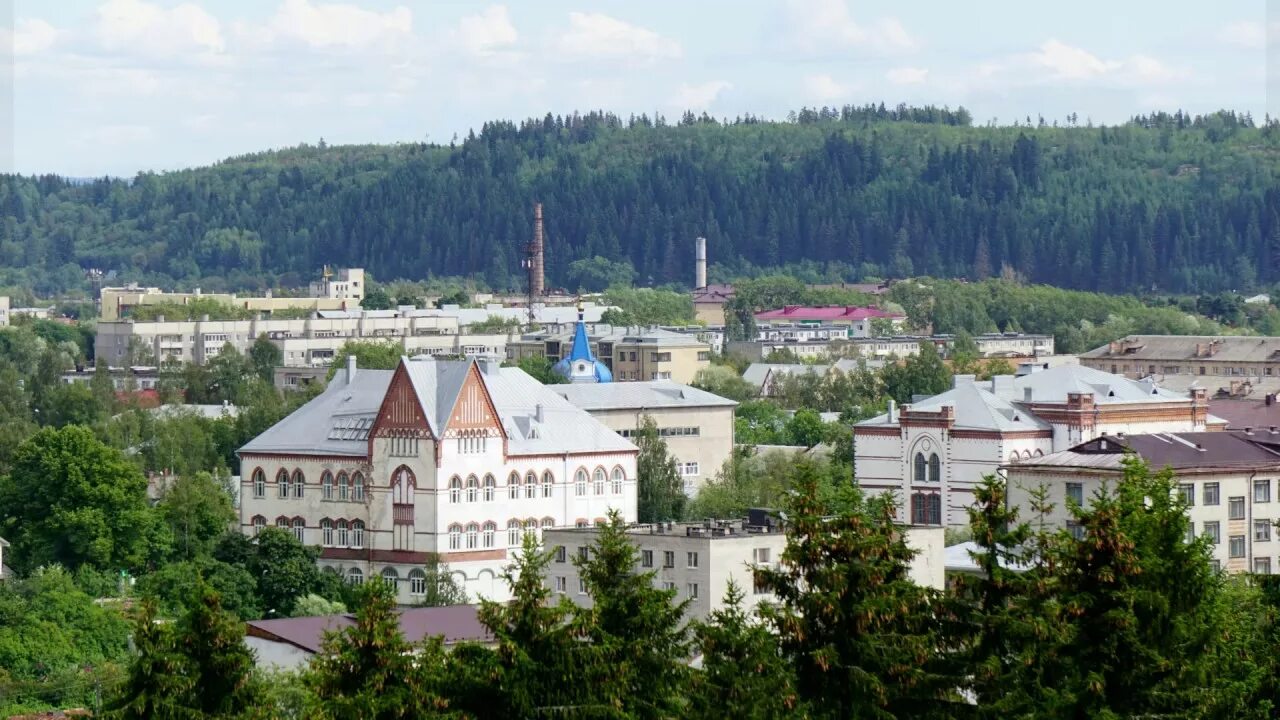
357	533
920	468
341	527
598	481
704	355
926	509
1075	493
689	469
561	585
1188	493
1191	533
513	486
1210	493
1215	566
282	522
692	559
473	536
935	468
417	582
646	558
759	586
357	487
354	576
490	531
548	483
1262	566
584	553
1261	491
326	532
341	482
1075	529
659	357
282	484
691	590
1235	508
1212	531
580	482
582	586
561	554
530	485
760	556
618	477
299	483
668	585
259	523
390	577
1235	546
513	533
668	558
531	528
455	537
455	489
473	489
547	524
490	487
581	523
1262	531
259	483
326	485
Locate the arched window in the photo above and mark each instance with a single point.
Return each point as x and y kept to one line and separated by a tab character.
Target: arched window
299	483
473	536
455	537
357	487
531	485
935	468
282	522
490	530
598	481
259	523
390	577
1026	454
342	540
548	484
1013	458
618	477
357	533
342	480
473	489
326	485
299	528
489	488
1039	453
920	468
548	523
580	482
455	489
326	532
513	533
259	483
354	576
513	486
282	483
403	484
531	528
417	582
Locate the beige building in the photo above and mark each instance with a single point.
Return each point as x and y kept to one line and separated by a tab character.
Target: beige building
1216	359
698	560
629	353
340	290
1229	480
696	425
817	340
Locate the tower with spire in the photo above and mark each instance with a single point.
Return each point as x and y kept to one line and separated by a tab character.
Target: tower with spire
580	365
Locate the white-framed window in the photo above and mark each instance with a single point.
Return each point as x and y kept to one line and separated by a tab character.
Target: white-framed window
1211	493
341	481
259	483
342	539
282	522
1262	566
326	485
513	533
489	532
299	483
1235	546
1235	508
1075	493
1261	491
282	484
513	486
580	482
455	489
668	558
547	524
259	523
618	478
548	484
299	529
390	577
692	559
455	537
531	528
598	481
646	558
1188	493
357	533
582	586
668	585
473	536
326	532
417	582
1262	531
561	585
561	554
760	556
357	487
355	576
530	485
490	487
689	469
691	590
473	489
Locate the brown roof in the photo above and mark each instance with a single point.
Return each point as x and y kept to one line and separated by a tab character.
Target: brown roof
1180	451
714	293
1251	412
455	623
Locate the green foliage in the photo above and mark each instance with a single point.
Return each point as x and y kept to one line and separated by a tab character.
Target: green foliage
649	306
282	568
174	584
856	394
312	605
157	683
660	492
218	663
596	274
198	510
442	587
193	309
370	355
264	356
539	368
376	298
70	499
495	324
724	381
805	428
921	374
743	675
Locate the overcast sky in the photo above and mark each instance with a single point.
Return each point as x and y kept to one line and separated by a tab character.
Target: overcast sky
118	86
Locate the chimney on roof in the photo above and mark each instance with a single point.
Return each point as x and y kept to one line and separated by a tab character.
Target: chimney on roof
700	262
1027	393
538	413
893	411
1248	430
351	368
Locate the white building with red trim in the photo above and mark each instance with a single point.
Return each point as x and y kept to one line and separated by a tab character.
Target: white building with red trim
457	458
934	452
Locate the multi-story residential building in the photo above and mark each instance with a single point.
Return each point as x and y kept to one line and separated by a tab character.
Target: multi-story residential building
811	343
696	425
698	560
334	291
342	284
1210	359
933	452
628	353
457	458
860	322
1229	480
709	302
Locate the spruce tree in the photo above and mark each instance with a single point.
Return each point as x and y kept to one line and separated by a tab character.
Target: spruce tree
743	674
639	645
220	665
158	682
659	488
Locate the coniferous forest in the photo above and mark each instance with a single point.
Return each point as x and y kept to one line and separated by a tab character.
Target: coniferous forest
1168	202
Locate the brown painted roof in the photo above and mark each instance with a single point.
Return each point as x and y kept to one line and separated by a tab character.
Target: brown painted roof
456	623
1179	451
1248	412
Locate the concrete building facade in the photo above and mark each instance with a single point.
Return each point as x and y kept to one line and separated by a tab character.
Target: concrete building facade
819	340
629	353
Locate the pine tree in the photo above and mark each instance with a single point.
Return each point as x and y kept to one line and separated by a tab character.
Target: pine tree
158	682
743	674
660	490
638	640
219	664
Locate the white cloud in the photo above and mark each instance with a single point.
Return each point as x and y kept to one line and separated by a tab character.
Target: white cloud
29	36
700	96
601	37
1064	62
907	75
827	26
337	25
487	31
1070	63
824	88
147	28
1245	34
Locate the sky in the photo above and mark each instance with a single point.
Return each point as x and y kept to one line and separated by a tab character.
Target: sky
120	86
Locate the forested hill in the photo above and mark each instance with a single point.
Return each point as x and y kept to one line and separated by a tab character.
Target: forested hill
1171	201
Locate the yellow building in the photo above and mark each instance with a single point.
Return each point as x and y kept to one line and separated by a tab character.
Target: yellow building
629	353
336	290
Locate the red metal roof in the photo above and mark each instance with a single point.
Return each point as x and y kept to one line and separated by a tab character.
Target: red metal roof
800	312
455	623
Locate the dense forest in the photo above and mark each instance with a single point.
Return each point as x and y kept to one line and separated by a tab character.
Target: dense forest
1167	202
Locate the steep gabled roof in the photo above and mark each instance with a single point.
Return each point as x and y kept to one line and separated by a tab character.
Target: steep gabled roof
976	408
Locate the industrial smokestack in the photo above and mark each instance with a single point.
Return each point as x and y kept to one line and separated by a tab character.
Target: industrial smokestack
700	263
537	281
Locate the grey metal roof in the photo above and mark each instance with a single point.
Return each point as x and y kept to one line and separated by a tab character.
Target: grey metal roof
1229	348
315	428
757	372
976	408
629	395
